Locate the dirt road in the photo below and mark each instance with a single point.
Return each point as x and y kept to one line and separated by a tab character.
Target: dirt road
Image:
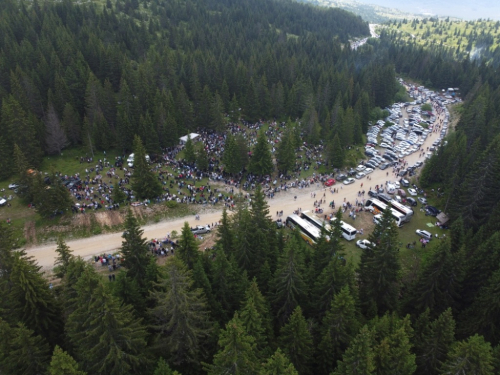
87	247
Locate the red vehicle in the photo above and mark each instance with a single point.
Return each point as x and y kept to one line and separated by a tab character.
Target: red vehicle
330	182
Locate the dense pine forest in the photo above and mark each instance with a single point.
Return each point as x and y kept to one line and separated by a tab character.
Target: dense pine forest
261	301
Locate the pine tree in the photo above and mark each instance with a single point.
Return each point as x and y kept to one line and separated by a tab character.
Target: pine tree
237	354
63	364
56	138
145	183
188	249
335	152
189	153
25	190
164	369
135	252
289	286
63	259
435	346
392	346
358	359
6	159
228	284
340	325
37	306
106	336
229	158
278	364
335	276
179	316
285	153
330	249
118	195
254	296
225	235
261	162
253	324
297	342
201	158
21	352
439	282
379	270
471	356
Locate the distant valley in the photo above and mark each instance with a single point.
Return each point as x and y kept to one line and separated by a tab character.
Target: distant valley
383	10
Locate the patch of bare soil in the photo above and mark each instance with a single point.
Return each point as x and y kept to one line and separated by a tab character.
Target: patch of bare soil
109	218
364	220
82	220
30	232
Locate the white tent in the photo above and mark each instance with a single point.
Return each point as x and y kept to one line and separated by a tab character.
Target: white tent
183	140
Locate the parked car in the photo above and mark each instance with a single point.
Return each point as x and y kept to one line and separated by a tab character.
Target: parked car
431	211
411	201
13	186
422	200
200	229
373	194
377	218
368	170
404	182
424	234
349	181
341	177
360	175
363	244
360	168
330	182
3	202
412	192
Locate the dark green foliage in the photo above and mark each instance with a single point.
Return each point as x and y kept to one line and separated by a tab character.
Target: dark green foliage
261	162
289	286
51	200
285	154
145	183
359	357
379	268
35	304
433	345
63	259
180	315
188	250
278	364
296	341
340	325
471	356
189	151
63	364
439	282
106	336
136	254
237	354
21	352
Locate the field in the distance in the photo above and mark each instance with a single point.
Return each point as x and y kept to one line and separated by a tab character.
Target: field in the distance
474	37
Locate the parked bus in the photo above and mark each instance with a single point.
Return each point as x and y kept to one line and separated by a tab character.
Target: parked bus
377	207
309	232
402	209
348	231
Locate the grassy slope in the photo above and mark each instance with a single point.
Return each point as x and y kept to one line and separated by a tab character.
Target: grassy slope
429	32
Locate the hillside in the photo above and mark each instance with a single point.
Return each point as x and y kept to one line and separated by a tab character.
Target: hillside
475	39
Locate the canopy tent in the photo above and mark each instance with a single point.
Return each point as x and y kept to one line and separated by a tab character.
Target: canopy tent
183	140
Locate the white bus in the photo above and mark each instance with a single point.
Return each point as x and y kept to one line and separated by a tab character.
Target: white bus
402	209
348	231
377	207
309	232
